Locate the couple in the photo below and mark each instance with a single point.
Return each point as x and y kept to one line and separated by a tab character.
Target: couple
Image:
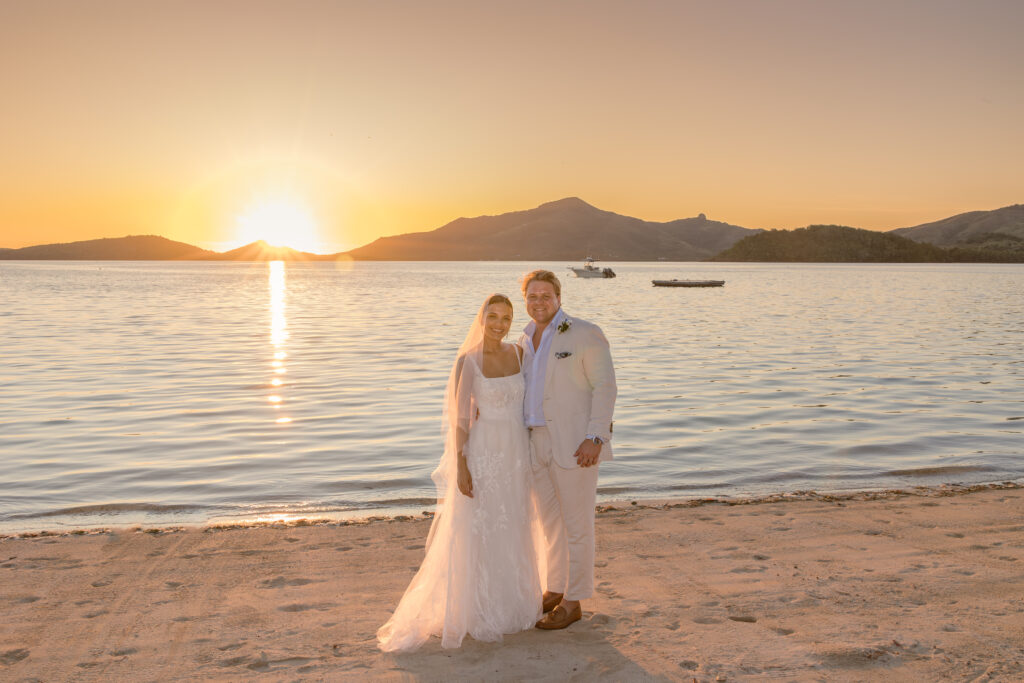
515	496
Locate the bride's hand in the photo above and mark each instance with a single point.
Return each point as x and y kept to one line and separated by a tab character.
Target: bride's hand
464	478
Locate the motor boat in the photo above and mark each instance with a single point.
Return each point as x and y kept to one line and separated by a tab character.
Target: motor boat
590	270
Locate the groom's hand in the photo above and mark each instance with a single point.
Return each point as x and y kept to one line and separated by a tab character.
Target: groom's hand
587	454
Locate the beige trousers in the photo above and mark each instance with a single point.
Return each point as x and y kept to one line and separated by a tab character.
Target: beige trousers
565	504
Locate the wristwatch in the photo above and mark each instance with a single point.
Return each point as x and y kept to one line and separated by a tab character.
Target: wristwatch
598	441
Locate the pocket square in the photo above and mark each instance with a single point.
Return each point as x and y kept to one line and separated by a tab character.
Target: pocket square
563	354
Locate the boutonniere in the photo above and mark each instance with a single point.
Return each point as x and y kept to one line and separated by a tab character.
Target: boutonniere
564	326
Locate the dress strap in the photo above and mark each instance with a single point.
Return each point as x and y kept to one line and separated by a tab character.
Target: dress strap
517	349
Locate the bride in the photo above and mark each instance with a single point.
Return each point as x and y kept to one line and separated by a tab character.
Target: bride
480	575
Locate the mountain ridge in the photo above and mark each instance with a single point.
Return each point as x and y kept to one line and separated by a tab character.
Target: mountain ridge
843	244
563	229
968	227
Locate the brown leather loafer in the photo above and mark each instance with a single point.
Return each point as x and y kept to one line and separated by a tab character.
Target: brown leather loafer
551	601
560	617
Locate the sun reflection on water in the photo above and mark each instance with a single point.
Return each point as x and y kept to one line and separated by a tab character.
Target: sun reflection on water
278	333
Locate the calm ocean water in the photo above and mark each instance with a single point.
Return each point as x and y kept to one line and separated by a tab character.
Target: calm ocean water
165	393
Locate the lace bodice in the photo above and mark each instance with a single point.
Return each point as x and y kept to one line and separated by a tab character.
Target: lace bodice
500	397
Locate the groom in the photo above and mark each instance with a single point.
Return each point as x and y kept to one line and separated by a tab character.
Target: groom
570	396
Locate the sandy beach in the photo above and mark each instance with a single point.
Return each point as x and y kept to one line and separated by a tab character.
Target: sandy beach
896	586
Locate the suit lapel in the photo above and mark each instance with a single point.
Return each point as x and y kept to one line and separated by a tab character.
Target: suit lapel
551	353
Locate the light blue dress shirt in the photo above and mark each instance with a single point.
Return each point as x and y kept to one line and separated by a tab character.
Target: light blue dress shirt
533	404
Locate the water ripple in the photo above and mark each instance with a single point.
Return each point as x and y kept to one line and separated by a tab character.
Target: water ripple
170	392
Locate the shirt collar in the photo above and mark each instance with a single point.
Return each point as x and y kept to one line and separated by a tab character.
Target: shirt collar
531	326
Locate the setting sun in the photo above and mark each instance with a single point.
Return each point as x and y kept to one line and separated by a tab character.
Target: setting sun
281	222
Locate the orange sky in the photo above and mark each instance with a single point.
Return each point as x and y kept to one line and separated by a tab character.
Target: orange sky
376	118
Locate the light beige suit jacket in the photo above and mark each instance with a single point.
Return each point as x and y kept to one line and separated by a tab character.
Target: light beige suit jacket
579	389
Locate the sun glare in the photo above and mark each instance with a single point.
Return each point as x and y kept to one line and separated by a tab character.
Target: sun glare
280	222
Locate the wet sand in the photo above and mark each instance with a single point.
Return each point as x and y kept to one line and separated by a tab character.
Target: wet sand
893	586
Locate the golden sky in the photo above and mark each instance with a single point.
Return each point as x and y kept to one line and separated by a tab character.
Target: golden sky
373	118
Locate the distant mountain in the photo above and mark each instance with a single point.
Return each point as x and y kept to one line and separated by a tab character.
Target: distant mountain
154	248
261	251
567	229
840	244
974	227
132	248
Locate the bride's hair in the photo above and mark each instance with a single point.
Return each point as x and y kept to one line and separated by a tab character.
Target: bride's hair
499	299
542	276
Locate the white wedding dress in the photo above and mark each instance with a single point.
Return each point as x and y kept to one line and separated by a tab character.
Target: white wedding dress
480	574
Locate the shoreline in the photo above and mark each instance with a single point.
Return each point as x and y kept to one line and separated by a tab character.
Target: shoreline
357	518
909	585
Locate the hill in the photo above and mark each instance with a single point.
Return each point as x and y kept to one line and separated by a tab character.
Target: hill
567	229
840	244
261	251
131	248
970	228
154	248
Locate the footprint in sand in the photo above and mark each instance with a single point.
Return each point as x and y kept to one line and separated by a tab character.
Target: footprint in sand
343	548
414	546
93	615
954	534
13	656
689	665
172	584
300	607
291	539
745	618
707	620
280	582
783	631
123	652
264	664
102	582
233	661
27	600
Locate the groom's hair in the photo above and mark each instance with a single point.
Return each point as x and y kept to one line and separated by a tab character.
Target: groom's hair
543	276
